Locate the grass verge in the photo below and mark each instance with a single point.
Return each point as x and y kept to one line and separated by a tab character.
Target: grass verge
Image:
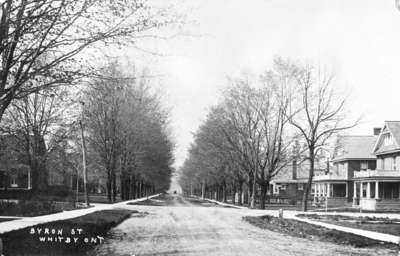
313	232
68	237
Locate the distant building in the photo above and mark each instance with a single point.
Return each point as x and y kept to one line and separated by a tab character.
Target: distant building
15	173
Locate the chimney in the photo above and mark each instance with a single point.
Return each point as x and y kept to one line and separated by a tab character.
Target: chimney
294	169
377	131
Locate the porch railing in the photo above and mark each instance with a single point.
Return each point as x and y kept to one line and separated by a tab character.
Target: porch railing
330	176
376	173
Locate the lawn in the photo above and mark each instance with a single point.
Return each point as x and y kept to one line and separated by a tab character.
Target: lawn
383	225
68	237
314	232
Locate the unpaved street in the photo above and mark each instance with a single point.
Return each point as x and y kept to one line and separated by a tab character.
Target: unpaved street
182	226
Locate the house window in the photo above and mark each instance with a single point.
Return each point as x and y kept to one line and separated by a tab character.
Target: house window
389	163
276	189
364	166
14	183
387	139
341	169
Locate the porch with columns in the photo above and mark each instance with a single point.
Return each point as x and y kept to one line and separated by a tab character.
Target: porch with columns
331	193
377	194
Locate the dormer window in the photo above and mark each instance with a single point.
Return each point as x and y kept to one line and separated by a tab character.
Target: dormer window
387	139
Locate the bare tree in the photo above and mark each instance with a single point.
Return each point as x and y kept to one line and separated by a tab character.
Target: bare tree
102	109
43	39
244	137
318	112
211	169
275	140
127	128
242	118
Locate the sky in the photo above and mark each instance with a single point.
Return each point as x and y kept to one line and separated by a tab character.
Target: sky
359	41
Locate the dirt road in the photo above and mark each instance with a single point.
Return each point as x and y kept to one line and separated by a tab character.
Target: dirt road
181	226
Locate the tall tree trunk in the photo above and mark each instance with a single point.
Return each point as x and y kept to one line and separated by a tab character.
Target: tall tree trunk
139	192
240	192
250	189
264	189
140	189
203	190
123	181
248	195
309	181
233	192
133	189
109	187
114	186
129	194
254	190
224	192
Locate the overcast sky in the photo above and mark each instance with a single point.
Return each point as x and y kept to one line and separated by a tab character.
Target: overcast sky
358	40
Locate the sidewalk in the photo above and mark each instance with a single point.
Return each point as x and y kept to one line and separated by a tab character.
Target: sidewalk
370	234
223	204
26	222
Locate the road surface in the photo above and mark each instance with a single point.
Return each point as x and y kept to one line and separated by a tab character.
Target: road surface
182	226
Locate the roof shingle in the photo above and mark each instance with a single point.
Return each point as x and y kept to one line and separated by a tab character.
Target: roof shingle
354	147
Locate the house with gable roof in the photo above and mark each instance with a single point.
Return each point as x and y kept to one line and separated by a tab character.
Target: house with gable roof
351	154
288	185
380	188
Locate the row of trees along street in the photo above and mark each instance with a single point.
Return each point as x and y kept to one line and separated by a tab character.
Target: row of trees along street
258	127
128	134
50	81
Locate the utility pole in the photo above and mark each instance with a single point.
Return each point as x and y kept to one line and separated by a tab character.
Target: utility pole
85	190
